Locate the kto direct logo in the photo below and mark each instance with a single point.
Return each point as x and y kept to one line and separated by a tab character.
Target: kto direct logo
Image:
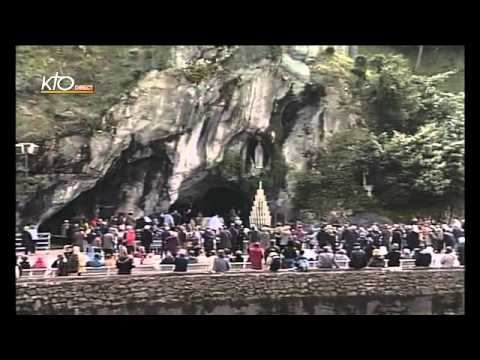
64	85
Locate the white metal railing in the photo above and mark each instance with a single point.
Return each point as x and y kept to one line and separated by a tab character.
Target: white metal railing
43	242
167	268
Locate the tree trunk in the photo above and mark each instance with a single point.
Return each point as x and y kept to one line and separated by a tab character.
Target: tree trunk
419	57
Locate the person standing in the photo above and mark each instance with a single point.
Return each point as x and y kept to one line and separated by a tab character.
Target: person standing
255	253
225	239
130	220
147	238
177	218
290	255
64	231
130	236
413	238
27	241
79	238
108	243
168	220
82	260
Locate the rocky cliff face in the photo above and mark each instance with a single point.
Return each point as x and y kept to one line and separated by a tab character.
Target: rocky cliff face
162	143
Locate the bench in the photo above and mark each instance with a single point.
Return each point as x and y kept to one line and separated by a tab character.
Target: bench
238	266
35	272
102	270
407	263
342	264
199	267
153	267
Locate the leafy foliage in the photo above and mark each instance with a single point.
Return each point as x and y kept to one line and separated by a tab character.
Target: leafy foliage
424	168
413	149
335	180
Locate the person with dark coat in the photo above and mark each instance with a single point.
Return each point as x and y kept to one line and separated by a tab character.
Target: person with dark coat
208	239
169	259
234	237
61	265
225	239
349	237
24	264
358	258
413	239
27	241
238	257
124	262
79	239
397	236
290	255
177	218
187	216
147	238
448	238
423	257
72	263
323	238
254	235
394	255
181	262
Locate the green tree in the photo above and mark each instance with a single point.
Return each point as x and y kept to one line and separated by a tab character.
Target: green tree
335	180
424	169
398	100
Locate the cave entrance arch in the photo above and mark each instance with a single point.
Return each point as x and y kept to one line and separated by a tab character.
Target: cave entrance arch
217	200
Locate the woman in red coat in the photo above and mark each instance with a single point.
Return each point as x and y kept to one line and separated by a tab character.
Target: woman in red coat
130	236
255	253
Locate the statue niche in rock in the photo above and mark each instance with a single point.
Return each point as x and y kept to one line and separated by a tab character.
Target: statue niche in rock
257	157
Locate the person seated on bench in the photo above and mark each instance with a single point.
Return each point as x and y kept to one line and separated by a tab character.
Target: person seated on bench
39	264
358	258
124	262
168	259
221	264
96	261
377	259
61	265
423	257
394	255
301	263
110	260
181	262
238	257
24	264
191	257
326	258
341	255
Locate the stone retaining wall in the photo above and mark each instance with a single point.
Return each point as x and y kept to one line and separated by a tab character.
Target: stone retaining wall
428	291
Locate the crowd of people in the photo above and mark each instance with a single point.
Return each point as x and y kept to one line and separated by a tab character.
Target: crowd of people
182	238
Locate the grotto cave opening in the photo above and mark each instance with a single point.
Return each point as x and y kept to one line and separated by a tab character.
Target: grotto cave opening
217	200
